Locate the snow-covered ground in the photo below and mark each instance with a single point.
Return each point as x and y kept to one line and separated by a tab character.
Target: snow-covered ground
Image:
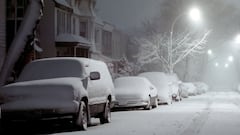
213	113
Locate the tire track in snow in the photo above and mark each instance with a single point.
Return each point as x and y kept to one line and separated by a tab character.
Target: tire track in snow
198	120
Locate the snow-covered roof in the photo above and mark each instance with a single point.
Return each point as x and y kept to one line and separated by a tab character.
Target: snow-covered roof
99	21
63	2
72	38
108	27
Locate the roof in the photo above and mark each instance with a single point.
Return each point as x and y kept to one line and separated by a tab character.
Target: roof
99	21
63	2
72	38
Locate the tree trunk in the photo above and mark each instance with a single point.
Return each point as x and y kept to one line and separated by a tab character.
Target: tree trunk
26	30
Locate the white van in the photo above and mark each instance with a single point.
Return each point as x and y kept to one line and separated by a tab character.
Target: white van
57	87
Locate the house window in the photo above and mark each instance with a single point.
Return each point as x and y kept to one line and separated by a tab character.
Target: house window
69	23
61	22
15	13
83	29
82	52
97	35
107	43
74	26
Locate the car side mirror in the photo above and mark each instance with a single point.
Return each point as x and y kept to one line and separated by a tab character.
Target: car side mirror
94	76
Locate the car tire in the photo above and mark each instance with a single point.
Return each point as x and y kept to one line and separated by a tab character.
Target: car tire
106	115
82	116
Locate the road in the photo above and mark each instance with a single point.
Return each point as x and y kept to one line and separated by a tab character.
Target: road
213	113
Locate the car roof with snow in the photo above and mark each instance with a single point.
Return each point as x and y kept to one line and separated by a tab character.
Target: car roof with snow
58	67
137	83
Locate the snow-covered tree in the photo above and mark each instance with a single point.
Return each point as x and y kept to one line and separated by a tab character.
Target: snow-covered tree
159	48
127	68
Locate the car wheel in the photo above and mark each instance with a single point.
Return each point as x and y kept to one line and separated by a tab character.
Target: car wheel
106	115
149	106
82	117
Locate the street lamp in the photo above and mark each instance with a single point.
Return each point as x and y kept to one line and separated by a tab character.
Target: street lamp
194	14
226	65
230	58
216	64
209	52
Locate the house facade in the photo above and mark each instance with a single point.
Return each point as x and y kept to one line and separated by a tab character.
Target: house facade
2	32
67	28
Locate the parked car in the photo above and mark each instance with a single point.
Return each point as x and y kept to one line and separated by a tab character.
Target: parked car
201	87
190	88
135	92
174	86
184	90
160	81
59	87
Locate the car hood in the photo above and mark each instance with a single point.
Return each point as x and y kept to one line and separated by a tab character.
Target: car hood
57	88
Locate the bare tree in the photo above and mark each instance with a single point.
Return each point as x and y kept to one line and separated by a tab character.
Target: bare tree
157	48
27	31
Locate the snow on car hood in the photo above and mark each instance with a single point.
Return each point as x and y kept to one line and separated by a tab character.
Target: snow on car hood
61	88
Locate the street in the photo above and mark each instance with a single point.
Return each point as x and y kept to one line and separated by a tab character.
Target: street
213	113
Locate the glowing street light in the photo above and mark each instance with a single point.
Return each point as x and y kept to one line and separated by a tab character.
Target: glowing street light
195	14
230	58
226	65
209	52
216	64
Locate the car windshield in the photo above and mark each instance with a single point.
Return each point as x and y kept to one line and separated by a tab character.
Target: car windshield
49	69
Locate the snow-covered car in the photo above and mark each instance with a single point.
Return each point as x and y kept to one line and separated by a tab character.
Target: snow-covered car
135	92
160	81
184	90
58	87
190	88
174	82
201	87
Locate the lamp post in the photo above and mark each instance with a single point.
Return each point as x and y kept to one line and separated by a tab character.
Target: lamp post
194	14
